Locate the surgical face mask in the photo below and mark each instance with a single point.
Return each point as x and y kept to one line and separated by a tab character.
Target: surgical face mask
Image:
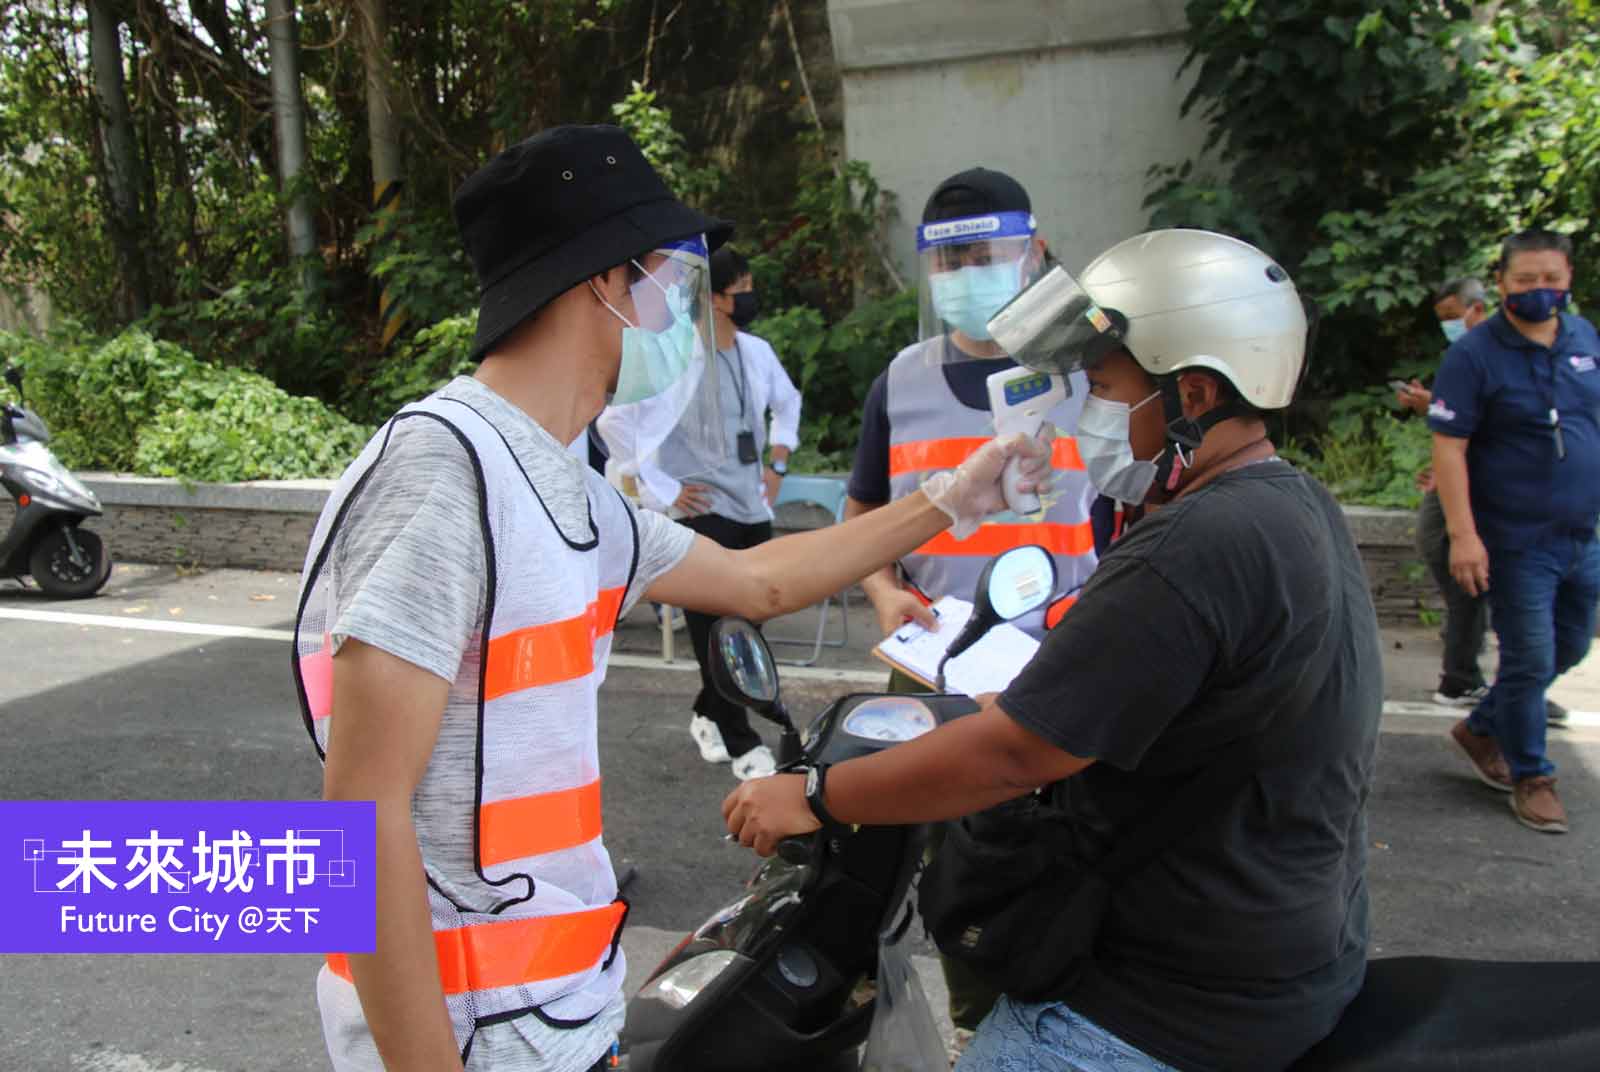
967	297
1538	305
1107	453
652	361
745	309
1453	329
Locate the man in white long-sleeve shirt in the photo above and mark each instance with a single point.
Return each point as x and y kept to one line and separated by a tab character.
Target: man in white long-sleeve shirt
730	500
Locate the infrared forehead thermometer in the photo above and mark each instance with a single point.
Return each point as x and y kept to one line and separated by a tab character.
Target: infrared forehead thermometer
1021	400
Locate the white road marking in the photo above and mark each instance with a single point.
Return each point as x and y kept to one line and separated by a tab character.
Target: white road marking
630	662
149	625
1433	710
109	1060
864	678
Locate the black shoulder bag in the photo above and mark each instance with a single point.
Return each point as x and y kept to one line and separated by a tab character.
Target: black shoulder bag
996	896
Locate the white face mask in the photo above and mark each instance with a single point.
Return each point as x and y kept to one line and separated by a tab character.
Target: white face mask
1108	455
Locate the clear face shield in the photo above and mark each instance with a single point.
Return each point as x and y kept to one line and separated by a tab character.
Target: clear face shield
969	268
668	385
1055	327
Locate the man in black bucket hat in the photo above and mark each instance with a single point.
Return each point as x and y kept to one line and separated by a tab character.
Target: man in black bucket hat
459	597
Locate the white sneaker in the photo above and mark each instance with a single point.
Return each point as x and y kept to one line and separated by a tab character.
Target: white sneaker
709	738
756	763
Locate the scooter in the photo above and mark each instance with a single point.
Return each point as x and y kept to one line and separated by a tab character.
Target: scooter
45	540
774	981
812	960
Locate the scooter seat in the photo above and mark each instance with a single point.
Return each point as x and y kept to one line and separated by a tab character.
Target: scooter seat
1430	1014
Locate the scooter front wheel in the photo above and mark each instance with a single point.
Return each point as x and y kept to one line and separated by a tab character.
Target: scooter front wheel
61	573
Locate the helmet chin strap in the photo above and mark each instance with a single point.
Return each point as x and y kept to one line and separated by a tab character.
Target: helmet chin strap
1184	434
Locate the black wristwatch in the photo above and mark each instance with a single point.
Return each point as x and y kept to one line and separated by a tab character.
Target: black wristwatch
816	779
779	466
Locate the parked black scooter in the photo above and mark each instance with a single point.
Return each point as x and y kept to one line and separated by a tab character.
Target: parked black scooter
45	540
771	982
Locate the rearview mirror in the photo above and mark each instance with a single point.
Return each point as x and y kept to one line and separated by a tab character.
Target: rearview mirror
742	666
744	672
1015	582
1012	583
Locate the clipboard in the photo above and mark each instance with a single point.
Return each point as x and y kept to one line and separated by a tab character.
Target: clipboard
987	666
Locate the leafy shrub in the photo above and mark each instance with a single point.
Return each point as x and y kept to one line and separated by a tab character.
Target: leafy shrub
427	362
835	366
1368	455
138	404
246	428
268	325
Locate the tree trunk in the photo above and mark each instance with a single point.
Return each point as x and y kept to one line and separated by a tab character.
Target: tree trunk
289	119
121	157
383	131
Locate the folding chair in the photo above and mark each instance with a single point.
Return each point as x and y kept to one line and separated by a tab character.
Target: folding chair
828	493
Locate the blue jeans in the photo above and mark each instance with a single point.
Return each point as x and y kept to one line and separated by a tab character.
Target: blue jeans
1542	604
1049	1037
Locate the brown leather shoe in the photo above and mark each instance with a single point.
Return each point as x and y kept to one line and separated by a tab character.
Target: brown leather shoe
1536	806
1487	762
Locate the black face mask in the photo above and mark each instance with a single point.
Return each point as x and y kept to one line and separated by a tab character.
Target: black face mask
744	308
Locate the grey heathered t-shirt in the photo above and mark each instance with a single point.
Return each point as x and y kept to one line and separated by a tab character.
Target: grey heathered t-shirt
736	488
406	574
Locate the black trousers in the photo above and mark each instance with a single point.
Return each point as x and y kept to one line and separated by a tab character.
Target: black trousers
731	719
1466	618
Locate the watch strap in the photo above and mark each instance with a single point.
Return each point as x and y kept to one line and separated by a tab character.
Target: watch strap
816	790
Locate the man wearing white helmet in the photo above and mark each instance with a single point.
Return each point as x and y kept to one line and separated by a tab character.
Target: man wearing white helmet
1202	727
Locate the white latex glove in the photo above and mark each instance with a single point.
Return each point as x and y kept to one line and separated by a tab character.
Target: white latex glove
973	492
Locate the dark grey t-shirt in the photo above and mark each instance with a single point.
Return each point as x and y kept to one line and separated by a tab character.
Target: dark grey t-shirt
1240	946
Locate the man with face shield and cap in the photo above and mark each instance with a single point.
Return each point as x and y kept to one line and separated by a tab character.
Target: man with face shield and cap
1203	723
460	594
978	246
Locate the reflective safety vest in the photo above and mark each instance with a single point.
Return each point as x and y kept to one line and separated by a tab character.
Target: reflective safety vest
930	429
538	929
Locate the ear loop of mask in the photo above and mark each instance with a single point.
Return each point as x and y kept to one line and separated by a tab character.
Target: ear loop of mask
642	271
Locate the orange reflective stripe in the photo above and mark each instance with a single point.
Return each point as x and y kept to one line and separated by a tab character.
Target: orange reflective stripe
1058	610
546	822
949	453
606	609
551	653
1065	455
515	951
990	540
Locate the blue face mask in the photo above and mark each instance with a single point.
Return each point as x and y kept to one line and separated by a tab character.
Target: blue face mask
1537	306
652	361
967	297
1453	329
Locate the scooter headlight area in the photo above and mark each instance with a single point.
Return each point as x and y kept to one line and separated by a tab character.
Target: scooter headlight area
36	471
679	986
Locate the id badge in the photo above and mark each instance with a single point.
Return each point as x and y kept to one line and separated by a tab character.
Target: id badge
747	448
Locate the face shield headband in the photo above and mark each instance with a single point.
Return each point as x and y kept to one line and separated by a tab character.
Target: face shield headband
970	267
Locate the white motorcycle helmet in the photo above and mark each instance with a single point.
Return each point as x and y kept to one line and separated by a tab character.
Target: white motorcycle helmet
1174	299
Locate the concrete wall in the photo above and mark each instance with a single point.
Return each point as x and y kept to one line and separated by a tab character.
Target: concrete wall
267	525
1074	98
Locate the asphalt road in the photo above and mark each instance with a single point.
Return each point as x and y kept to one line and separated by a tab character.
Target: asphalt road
116	705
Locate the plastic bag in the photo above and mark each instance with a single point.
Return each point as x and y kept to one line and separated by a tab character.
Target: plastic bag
904	1036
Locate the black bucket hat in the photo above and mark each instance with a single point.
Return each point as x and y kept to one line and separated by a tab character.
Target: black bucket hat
568	203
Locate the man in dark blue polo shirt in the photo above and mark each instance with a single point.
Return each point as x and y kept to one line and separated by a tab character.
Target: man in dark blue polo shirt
1516	454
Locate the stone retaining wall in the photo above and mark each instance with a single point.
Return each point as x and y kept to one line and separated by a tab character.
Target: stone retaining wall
267	525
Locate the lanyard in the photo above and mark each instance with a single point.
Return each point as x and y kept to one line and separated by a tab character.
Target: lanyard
1555	414
741	377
